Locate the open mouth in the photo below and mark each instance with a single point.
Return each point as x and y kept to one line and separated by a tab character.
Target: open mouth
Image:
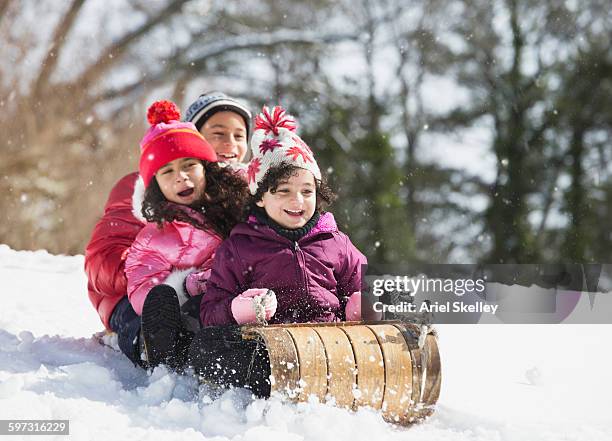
186	193
227	156
295	213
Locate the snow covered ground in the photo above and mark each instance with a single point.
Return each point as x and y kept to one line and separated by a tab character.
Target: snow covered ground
500	382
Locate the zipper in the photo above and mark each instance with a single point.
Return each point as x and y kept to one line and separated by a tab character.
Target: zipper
301	265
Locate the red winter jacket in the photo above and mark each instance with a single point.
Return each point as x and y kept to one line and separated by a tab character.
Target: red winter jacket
106	251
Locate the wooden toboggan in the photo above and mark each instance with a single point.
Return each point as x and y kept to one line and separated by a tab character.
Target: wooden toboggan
388	366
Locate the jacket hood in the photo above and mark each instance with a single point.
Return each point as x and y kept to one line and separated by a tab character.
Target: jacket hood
138	199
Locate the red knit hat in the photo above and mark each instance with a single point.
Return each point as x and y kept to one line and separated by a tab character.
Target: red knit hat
168	139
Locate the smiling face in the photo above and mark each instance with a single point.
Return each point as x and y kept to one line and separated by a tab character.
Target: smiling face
226	132
182	181
293	202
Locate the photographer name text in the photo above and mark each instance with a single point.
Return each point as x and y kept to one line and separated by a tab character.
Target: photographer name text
403	307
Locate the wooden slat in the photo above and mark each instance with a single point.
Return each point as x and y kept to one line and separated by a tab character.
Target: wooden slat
433	378
312	363
411	334
341	369
398	373
284	364
426	379
370	366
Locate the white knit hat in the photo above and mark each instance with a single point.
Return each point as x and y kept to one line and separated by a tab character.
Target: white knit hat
275	142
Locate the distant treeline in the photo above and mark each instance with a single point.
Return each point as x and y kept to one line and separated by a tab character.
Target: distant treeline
383	90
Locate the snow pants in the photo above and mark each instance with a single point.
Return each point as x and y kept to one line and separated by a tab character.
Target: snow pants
126	324
220	356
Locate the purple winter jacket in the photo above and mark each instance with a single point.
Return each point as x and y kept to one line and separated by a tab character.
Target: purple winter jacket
312	278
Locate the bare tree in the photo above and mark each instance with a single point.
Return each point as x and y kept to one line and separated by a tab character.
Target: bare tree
68	138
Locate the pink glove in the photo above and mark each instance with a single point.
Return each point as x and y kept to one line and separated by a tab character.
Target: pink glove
195	283
246	306
353	309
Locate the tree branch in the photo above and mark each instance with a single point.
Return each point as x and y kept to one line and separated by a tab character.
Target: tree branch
114	52
3	7
59	38
223	46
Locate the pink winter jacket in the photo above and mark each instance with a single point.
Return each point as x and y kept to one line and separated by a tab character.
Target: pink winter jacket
167	256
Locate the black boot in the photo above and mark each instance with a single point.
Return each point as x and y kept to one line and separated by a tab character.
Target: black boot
161	326
220	356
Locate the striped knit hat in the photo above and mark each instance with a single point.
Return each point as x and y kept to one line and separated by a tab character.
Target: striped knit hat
275	142
210	103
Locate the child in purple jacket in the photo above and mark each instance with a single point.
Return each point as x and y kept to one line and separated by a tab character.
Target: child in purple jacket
289	257
288	263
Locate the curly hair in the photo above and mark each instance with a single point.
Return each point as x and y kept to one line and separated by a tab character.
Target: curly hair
280	174
224	202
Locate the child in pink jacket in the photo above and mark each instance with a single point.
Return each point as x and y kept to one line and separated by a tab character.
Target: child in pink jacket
191	204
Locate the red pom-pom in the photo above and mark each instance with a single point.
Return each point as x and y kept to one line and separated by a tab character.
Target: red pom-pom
162	112
272	122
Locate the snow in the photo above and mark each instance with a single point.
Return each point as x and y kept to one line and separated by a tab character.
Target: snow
500	382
